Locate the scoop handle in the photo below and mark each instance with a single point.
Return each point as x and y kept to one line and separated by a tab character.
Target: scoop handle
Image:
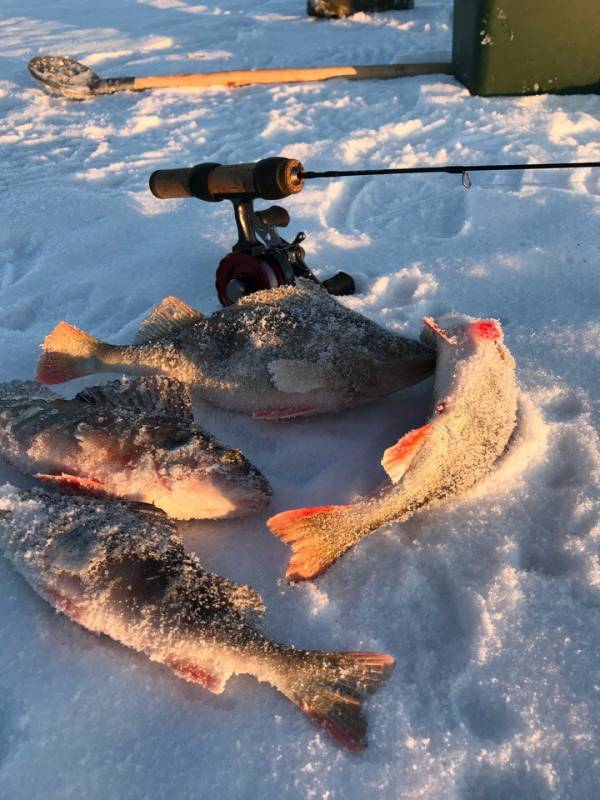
246	77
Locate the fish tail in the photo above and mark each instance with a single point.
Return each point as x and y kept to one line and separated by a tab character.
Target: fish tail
330	689
69	353
318	536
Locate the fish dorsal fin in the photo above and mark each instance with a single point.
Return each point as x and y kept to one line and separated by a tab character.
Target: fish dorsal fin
154	394
293	376
397	458
168	317
17	391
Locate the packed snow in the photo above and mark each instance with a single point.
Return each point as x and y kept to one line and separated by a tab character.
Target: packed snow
490	603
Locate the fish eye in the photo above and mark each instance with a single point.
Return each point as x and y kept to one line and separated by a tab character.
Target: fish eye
233	457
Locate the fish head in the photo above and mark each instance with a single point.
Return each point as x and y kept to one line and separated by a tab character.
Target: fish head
190	475
458	339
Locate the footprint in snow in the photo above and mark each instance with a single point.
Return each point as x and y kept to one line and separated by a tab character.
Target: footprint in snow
486	713
565	407
20	316
9	730
571	465
490	782
18	256
553	508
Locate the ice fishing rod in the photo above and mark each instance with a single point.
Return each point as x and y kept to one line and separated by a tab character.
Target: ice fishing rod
451	169
261	258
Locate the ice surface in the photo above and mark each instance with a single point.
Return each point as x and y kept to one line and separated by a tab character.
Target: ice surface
490	604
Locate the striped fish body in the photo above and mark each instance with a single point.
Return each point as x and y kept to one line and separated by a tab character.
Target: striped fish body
291	351
121	570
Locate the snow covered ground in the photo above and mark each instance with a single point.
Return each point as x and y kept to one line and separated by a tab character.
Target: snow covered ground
491	604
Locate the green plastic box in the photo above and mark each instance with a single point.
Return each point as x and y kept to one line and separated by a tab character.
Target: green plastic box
527	47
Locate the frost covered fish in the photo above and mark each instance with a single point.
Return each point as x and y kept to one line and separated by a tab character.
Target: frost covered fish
275	354
133	439
120	569
475	397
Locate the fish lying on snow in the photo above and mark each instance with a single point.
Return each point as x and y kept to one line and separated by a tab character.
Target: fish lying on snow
120	569
133	439
281	353
475	401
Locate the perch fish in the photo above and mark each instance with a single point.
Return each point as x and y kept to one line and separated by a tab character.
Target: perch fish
133	439
276	354
120	569
475	411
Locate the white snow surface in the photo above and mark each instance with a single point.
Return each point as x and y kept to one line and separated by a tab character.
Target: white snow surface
491	603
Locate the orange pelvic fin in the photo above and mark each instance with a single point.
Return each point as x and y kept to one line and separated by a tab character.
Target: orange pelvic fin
196	673
76	484
396	459
308	531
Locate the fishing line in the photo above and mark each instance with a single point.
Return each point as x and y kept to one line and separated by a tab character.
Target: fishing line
462	170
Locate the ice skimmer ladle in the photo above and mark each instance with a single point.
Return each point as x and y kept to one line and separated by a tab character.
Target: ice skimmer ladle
76	81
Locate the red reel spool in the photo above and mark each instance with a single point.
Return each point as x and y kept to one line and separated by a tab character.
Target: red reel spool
239	274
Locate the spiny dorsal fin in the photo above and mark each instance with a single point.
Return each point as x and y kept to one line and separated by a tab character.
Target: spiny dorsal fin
156	394
17	391
168	317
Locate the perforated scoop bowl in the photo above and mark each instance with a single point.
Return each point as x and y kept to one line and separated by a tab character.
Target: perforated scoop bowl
65	76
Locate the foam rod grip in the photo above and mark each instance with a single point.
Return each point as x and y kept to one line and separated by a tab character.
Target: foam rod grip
171	183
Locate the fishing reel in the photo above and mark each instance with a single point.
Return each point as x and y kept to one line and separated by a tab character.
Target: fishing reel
261	258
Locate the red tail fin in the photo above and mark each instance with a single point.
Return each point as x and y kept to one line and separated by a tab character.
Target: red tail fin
67	354
330	688
318	537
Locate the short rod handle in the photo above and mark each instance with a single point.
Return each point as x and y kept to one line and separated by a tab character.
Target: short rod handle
271	178
169	184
